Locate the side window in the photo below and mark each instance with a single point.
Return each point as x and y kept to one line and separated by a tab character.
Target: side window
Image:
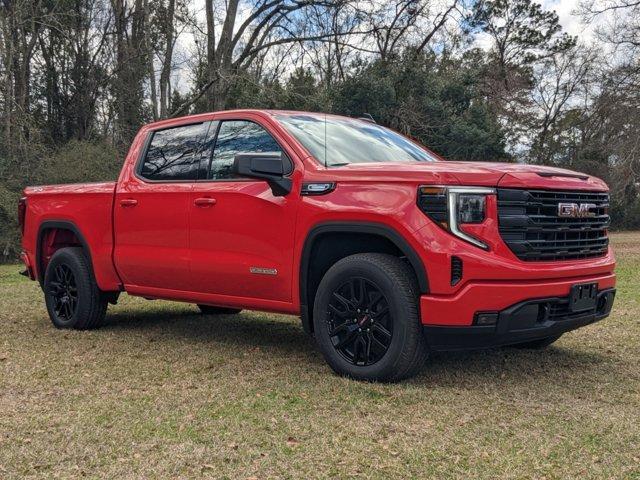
238	136
172	153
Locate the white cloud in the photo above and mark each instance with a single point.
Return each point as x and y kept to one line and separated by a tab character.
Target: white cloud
569	18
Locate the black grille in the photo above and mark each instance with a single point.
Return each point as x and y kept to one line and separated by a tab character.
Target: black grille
559	309
530	225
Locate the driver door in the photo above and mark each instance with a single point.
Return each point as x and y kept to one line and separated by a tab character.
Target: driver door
241	235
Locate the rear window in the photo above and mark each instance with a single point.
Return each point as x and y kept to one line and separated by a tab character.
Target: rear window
173	153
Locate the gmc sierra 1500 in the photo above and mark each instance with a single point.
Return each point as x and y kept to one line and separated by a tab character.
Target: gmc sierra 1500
384	250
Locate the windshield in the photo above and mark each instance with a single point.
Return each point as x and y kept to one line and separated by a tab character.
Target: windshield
337	141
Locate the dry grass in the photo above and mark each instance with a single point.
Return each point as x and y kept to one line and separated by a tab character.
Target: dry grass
164	392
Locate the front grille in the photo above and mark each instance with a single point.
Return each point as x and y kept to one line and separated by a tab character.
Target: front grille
529	224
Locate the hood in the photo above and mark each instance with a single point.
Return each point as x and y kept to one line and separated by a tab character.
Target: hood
489	174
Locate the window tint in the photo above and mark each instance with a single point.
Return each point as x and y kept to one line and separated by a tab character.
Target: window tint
172	153
238	136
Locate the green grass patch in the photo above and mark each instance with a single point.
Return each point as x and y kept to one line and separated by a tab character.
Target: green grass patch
164	392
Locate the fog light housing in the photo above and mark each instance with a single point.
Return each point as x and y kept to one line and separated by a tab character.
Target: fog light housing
486	318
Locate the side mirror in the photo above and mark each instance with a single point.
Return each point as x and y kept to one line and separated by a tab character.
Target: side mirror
271	167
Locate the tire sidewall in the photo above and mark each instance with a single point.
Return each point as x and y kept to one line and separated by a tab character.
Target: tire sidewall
398	308
69	257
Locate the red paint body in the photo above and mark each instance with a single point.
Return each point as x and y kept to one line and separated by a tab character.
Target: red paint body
152	240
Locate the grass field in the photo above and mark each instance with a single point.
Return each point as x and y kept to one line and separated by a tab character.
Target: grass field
162	392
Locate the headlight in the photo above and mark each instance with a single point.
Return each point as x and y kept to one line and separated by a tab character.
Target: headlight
451	207
470	208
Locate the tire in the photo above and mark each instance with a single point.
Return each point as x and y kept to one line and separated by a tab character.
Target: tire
337	320
69	275
210	310
537	344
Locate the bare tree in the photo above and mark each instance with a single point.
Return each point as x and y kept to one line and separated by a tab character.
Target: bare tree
165	73
406	23
20	23
269	23
622	28
130	69
521	31
558	82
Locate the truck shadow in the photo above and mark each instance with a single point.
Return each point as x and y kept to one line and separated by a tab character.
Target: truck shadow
247	329
283	337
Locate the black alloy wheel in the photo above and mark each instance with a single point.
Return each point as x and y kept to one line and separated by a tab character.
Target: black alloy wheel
360	323
366	318
71	293
64	292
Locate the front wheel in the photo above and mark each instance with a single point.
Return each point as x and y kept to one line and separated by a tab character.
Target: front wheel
366	318
71	294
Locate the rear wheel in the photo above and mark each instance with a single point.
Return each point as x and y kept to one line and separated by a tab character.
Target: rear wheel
538	344
210	310
71	294
366	319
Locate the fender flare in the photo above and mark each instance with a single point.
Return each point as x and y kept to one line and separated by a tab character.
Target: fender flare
355	227
62	224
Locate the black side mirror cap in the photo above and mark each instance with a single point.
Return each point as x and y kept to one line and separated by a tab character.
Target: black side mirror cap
269	166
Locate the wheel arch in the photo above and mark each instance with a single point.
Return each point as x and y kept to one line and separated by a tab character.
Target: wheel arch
373	231
59	225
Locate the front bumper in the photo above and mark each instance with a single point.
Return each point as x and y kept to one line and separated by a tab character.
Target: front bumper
522	322
460	308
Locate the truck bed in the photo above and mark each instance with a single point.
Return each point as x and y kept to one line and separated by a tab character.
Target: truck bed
87	207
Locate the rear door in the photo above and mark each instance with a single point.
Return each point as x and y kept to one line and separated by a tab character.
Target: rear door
241	234
151	210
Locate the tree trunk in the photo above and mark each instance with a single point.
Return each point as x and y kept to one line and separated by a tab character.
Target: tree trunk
152	71
222	69
153	88
131	69
211	49
165	84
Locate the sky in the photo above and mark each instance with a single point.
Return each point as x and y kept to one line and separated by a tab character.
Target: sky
570	23
569	20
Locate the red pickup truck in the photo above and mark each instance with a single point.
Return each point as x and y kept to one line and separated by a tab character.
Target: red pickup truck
386	251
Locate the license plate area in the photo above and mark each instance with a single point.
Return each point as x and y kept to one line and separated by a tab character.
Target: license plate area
583	297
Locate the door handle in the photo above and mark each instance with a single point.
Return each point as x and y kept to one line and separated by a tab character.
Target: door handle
128	202
204	202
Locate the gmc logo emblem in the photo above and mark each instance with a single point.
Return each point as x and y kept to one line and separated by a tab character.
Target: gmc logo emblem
576	210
